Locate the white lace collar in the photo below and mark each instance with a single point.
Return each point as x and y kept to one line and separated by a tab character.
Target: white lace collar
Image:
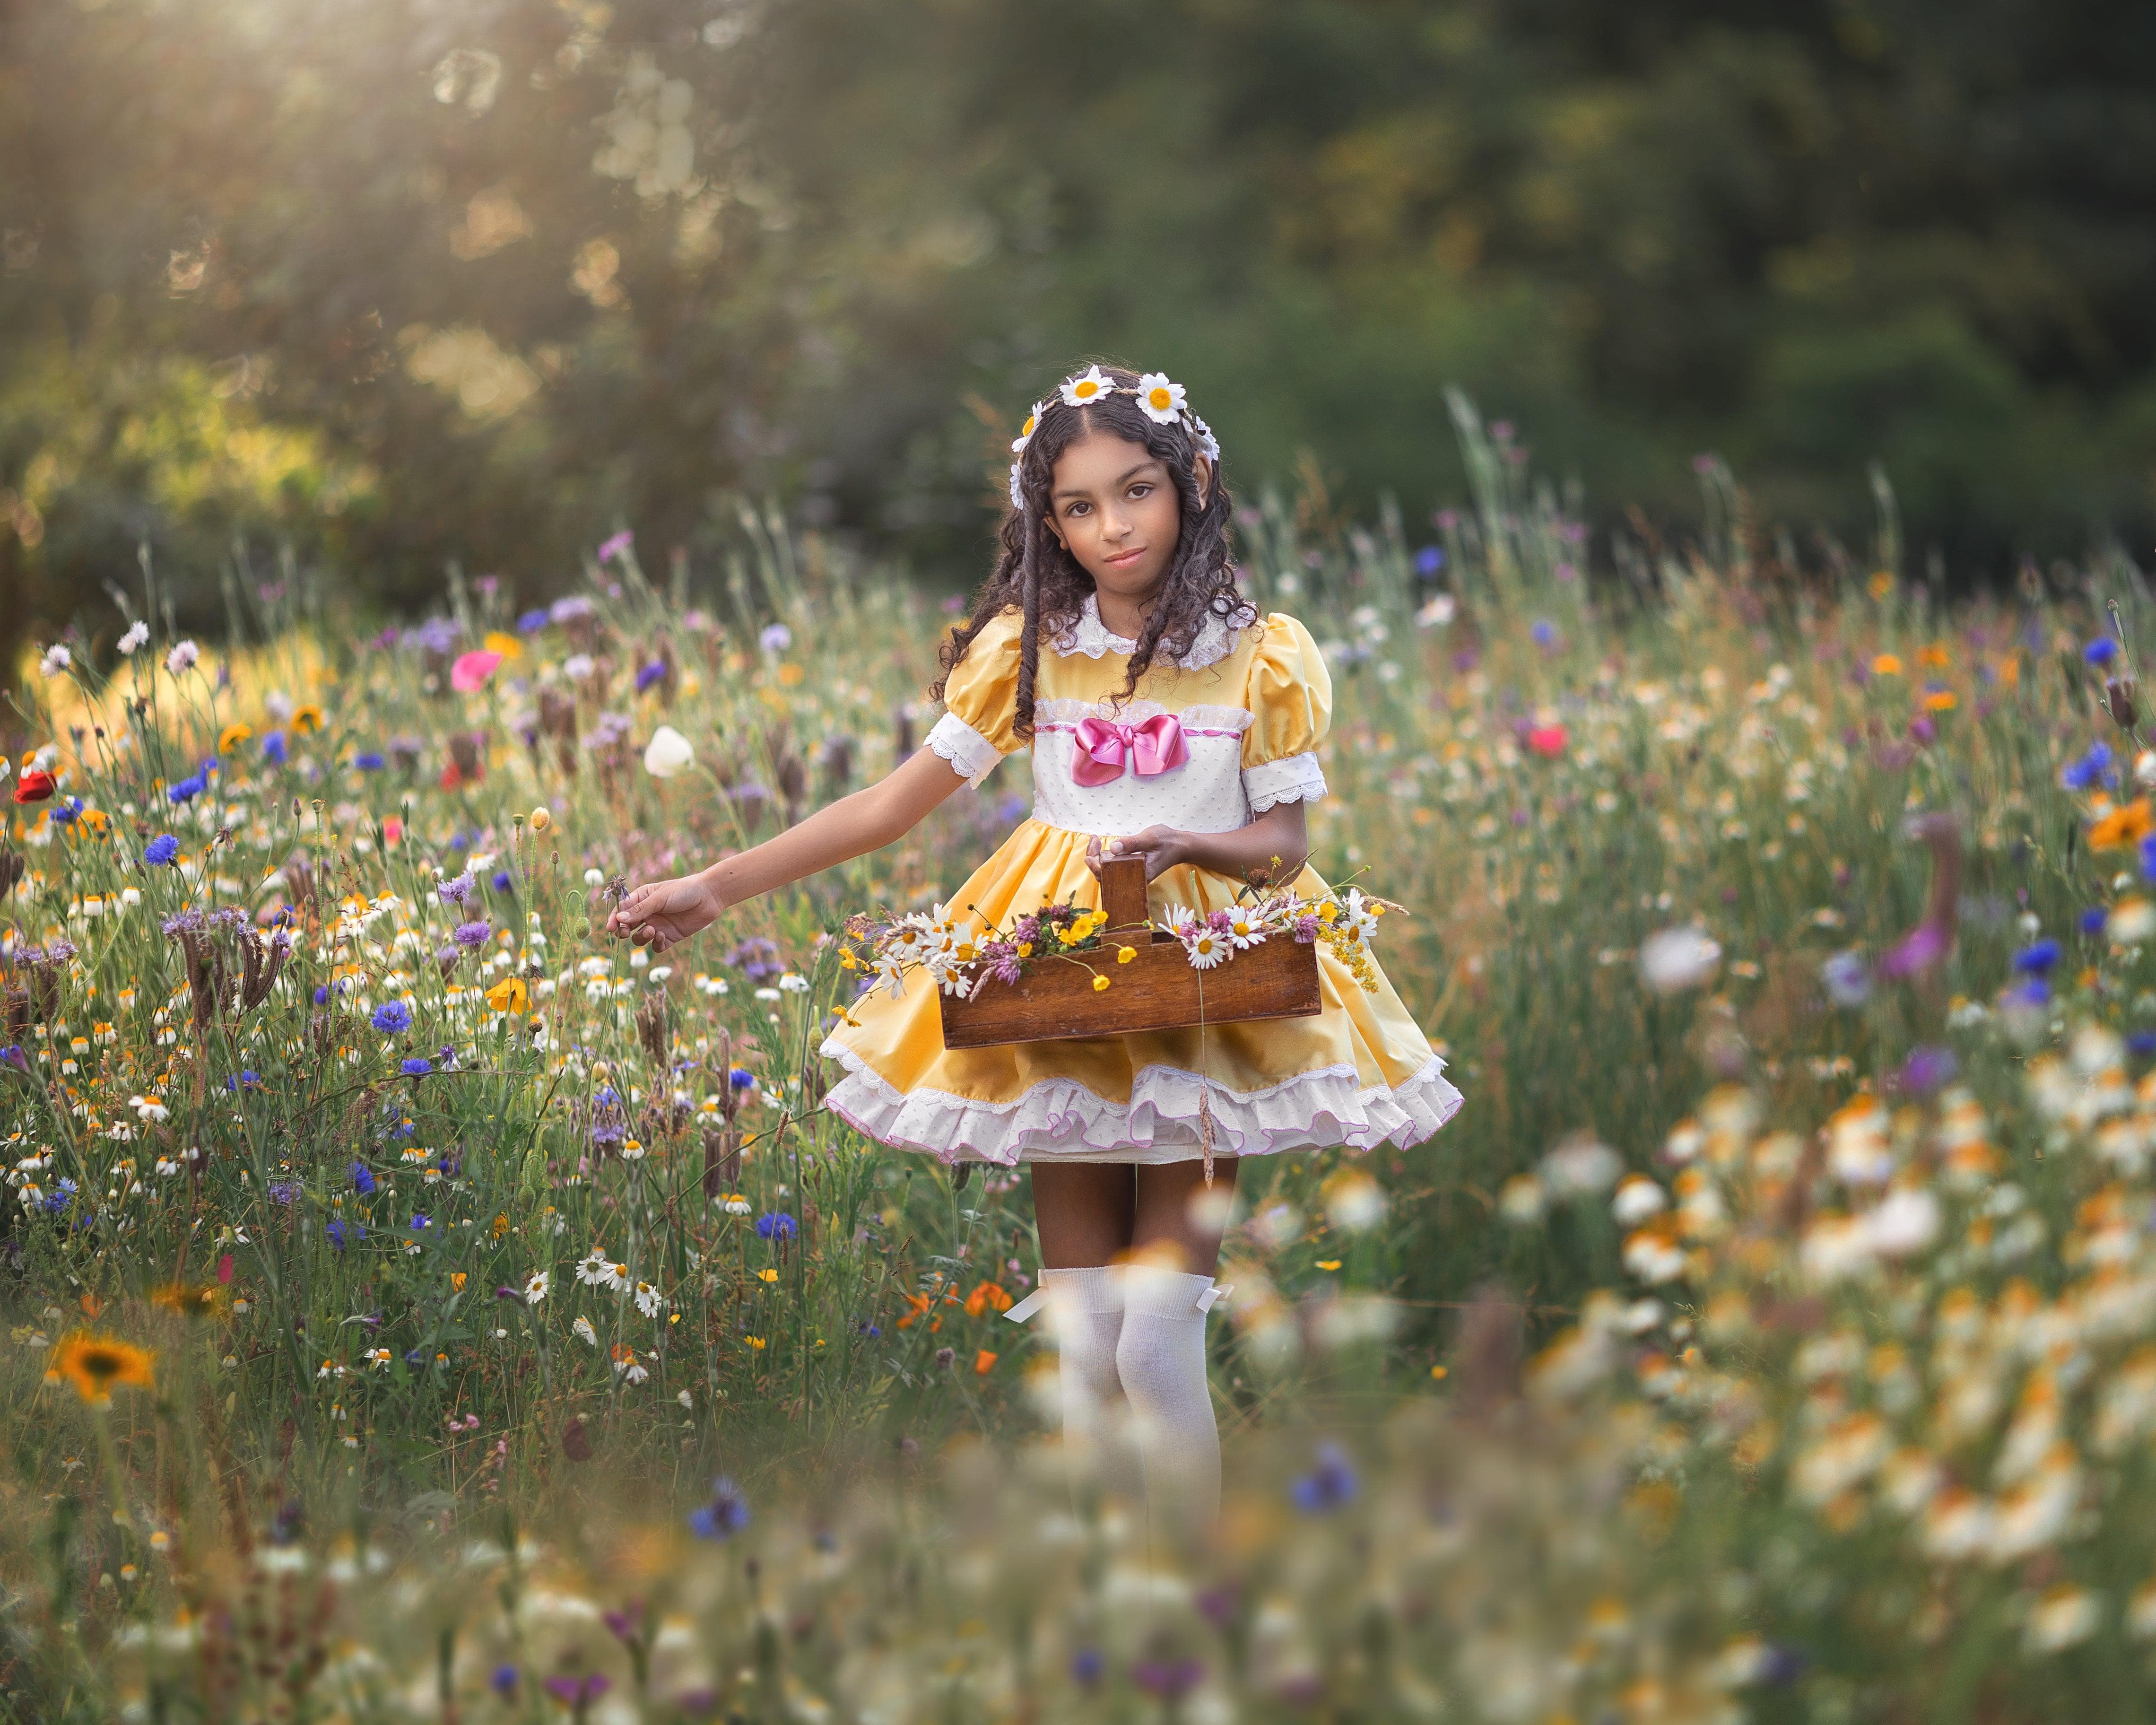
1093	639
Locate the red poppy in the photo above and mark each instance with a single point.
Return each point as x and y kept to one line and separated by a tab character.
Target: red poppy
1548	740
33	786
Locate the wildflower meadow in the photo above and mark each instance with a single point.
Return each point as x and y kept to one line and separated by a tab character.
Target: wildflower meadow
421	1306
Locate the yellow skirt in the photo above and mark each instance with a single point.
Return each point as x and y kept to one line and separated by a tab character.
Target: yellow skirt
1359	1074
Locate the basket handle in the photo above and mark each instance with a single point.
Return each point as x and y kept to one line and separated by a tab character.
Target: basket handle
1123	891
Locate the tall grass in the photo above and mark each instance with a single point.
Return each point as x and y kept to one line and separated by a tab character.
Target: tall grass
1826	1241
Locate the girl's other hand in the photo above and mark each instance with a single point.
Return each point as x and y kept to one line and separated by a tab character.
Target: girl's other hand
663	913
1162	847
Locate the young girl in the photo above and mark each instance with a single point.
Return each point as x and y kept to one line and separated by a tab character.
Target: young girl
1113	600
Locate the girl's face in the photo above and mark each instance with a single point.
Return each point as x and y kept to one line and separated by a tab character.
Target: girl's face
1114	508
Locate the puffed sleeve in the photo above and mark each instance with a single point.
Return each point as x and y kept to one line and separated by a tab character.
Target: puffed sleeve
1290	695
981	703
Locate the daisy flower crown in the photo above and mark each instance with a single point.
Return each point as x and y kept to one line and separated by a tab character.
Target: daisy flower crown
1160	398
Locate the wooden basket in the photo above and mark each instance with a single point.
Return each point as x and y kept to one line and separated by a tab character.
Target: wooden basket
1158	990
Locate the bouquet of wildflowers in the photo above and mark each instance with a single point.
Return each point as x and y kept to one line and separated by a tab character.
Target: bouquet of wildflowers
962	954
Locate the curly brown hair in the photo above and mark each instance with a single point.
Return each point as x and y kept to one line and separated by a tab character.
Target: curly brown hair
1035	575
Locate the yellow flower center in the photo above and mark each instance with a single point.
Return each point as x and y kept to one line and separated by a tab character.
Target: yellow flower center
1087	391
1031	420
1159	399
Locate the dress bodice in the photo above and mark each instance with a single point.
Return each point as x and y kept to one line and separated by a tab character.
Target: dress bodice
1251	705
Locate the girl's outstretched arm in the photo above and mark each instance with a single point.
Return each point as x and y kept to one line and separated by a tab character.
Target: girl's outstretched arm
663	913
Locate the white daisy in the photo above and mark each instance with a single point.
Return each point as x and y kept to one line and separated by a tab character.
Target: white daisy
647	1299
1244	931
1017	496
736	1204
1206	947
535	1287
593	1269
1092	387
583	1328
617	1277
1208	445
1159	399
1025	431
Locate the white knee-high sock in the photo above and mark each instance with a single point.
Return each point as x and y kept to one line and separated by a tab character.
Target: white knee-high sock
1160	1357
1085	1308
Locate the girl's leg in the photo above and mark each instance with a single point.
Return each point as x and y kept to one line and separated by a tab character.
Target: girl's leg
1083	1211
1160	1353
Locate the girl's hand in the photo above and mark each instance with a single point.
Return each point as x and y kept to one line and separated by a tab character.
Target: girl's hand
1162	847
663	913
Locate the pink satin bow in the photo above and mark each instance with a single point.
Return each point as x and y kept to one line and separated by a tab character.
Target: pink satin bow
1154	747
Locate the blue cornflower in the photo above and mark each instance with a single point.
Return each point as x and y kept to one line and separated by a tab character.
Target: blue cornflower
2101	651
504	882
322	994
2092	770
776	637
740	1078
647	674
187	789
776	1225
362	1179
532	622
1087	1666
473	934
504	1679
1330	1485
368	761
2035	960
1429	560
275	749
61	1198
1848	979
420	1224
342	1233
416	1067
161	851
2093	918
65	811
1928	1069
392	1017
724	1516
2031	991
2140	1042
12	1055
1543	631
245	1081
2147	849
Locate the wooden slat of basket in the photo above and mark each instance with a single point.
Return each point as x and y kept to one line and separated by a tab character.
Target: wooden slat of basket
1158	990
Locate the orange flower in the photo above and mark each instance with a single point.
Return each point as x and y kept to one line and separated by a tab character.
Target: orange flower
987	1297
95	1364
1940	700
2128	824
981	1362
206	1301
1933	657
1886	664
920	1303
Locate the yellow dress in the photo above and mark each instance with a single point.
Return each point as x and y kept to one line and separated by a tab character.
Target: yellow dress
1254	705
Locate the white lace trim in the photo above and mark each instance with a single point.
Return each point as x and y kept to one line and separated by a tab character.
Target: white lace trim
1294	778
971	755
1091	637
1060	1119
1063	711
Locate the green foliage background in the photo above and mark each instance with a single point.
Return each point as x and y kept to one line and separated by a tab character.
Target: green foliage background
392	283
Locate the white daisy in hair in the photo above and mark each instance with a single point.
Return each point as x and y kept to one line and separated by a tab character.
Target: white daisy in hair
1159	399
1025	431
1017	496
1092	387
1208	445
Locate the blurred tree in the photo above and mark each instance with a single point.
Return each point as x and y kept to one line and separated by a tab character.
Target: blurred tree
392	283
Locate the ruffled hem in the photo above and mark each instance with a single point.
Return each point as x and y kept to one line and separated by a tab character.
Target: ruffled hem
1296	778
1060	1119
